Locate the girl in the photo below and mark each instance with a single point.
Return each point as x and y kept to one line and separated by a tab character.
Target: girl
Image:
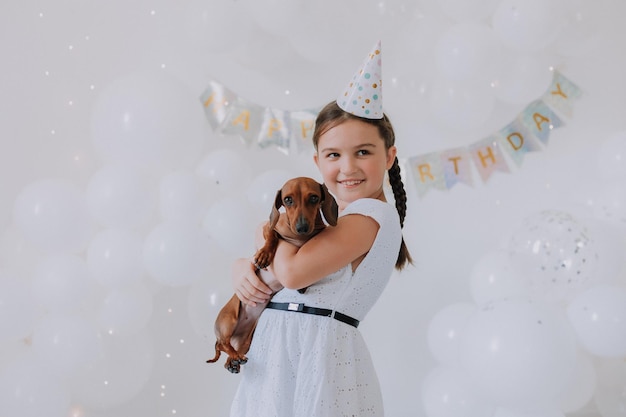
307	357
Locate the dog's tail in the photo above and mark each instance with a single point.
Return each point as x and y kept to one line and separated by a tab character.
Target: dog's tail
218	353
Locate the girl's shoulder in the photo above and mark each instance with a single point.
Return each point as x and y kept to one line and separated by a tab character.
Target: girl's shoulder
381	211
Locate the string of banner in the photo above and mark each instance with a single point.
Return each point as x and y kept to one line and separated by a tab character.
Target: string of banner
291	131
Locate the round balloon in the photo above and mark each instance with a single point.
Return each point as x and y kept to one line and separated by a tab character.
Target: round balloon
119	373
445	331
18	308
518	351
52	214
125	310
61	284
148	119
527	25
176	254
598	316
119	196
555	252
493	277
225	168
447	392
263	188
114	258
181	197
460	105
229	223
65	343
611	157
467	51
29	390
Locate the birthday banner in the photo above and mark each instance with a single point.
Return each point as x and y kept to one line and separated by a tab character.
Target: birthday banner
293	130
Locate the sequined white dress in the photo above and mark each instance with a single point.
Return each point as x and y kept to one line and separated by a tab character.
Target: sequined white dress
303	365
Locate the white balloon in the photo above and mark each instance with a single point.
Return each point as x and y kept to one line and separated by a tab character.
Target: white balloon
18	309
447	392
493	277
52	215
522	77
584	20
522	412
65	343
580	389
29	390
229	223
460	106
519	351
125	310
556	253
599	317
611	157
181	197
61	284
610	394
216	27
467	51
262	190
225	168
148	119
207	297
445	332
119	373
176	254
17	253
114	258
527	25
121	197
464	10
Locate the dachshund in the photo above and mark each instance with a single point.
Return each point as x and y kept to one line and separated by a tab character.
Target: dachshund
305	201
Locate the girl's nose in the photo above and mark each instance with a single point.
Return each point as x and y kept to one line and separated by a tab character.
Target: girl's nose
348	166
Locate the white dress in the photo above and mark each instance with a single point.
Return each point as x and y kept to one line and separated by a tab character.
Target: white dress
303	365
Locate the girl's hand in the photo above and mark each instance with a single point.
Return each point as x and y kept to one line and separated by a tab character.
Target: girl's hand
248	287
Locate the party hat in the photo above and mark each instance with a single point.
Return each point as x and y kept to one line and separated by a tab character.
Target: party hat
363	95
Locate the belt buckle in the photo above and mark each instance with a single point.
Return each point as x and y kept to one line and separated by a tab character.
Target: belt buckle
295	307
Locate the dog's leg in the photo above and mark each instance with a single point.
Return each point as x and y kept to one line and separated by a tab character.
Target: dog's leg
265	255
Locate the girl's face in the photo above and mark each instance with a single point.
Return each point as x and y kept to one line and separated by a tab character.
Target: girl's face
353	161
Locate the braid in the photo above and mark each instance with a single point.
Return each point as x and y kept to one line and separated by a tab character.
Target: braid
399	195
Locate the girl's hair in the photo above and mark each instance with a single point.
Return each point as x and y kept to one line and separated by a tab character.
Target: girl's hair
332	115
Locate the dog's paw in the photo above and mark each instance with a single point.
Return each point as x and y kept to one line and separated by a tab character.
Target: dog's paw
233	365
262	259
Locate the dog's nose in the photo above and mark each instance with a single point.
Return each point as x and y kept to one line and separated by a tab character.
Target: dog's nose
302	226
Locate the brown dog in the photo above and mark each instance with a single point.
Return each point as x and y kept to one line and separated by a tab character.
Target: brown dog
305	200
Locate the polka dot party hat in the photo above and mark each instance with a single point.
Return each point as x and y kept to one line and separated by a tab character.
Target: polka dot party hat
363	95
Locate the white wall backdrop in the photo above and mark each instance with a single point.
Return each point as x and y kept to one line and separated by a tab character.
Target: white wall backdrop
121	207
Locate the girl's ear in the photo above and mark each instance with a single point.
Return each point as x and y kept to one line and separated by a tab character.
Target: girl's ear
391	156
316	159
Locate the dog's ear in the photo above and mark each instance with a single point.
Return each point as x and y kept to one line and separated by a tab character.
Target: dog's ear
278	202
330	210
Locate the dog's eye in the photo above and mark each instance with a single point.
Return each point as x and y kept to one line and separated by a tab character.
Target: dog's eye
288	201
314	199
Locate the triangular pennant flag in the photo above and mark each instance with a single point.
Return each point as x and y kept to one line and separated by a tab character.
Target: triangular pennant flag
516	140
540	120
275	130
488	157
216	100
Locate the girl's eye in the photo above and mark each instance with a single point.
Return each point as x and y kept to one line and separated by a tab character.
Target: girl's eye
332	155
363	152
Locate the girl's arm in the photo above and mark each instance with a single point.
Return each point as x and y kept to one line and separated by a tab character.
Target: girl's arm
250	289
327	252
